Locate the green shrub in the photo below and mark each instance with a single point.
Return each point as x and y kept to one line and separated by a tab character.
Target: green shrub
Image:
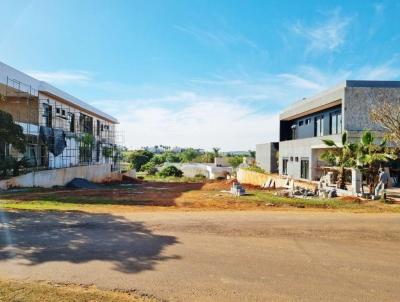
150	168
200	176
256	169
170	171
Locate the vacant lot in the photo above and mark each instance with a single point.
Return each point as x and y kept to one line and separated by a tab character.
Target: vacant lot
171	196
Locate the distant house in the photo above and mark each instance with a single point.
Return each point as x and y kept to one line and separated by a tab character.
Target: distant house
61	130
328	114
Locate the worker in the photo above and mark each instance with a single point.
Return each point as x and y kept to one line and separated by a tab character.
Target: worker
383	183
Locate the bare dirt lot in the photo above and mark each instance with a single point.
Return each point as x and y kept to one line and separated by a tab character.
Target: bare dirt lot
153	195
210	256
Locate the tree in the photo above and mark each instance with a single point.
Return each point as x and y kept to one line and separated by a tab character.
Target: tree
11	133
216	151
188	155
370	156
252	153
138	158
207	157
235	161
171	157
341	156
387	115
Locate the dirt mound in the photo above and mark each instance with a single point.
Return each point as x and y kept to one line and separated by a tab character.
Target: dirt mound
350	199
218	185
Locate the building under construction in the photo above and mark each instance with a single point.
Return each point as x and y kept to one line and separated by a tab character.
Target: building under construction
60	130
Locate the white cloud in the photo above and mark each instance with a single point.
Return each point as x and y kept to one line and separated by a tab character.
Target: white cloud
61	77
327	35
201	124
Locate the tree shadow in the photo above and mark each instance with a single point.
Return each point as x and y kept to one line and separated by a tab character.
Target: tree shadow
81	237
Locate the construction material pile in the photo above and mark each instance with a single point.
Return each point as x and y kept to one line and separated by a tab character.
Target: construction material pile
237	189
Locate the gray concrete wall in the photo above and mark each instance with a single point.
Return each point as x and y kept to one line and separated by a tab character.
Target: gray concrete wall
358	102
266	157
58	177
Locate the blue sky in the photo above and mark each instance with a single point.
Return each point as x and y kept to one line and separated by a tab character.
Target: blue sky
200	73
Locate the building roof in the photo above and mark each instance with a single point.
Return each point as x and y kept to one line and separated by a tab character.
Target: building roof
25	83
330	97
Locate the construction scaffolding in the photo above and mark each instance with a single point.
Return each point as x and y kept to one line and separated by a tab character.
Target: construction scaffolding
58	133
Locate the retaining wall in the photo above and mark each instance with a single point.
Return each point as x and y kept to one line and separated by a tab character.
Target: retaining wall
258	179
60	177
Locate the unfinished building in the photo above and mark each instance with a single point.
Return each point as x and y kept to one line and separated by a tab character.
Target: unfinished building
60	130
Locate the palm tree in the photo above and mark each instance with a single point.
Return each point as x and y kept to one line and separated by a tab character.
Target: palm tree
370	156
216	151
340	156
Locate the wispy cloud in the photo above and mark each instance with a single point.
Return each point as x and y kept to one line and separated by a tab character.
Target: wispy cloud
61	77
300	82
389	70
327	35
379	8
221	38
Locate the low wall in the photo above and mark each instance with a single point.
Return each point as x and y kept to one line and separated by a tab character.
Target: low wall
258	179
60	177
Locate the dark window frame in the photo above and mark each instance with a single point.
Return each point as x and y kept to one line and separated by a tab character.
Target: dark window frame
304	168
285	162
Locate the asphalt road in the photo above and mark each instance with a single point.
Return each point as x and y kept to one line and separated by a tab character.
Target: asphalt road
211	256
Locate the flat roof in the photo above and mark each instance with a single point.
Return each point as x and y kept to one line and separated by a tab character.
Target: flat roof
8	72
330	97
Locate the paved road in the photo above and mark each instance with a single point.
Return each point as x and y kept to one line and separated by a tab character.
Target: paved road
211	256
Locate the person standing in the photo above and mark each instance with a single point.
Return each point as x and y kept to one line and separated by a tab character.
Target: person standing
383	183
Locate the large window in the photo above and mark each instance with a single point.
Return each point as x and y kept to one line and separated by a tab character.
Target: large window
86	123
335	122
284	166
48	115
294	131
304	166
319	125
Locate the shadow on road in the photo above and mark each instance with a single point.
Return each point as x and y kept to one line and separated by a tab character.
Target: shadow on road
81	237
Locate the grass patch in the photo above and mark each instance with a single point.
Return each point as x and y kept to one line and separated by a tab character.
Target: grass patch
174	179
17	291
38	205
334	203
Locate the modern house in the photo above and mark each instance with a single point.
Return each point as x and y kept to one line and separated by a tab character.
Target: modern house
61	130
327	115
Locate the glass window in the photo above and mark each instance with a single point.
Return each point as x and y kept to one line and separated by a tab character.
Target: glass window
294	132
284	166
301	123
335	122
304	168
319	126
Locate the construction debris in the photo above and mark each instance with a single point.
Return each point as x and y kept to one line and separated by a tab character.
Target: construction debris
81	183
237	189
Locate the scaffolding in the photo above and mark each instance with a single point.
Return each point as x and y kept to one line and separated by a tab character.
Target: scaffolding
58	133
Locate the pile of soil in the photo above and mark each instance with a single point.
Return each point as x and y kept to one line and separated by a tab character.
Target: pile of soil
219	185
351	199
